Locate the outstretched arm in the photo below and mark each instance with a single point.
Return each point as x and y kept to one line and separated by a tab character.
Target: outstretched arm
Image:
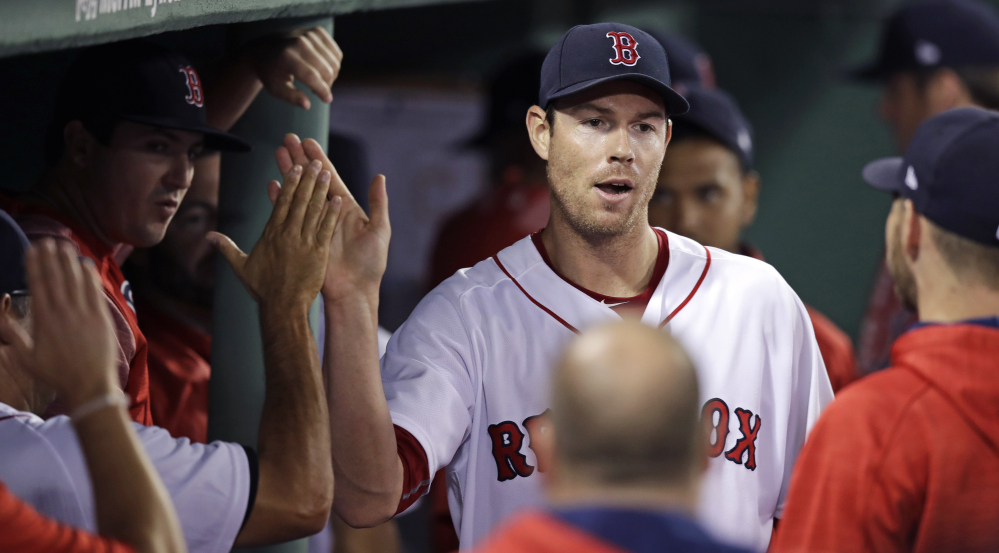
366	462
72	350
284	273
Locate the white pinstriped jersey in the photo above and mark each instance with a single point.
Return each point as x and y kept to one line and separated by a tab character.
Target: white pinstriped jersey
468	375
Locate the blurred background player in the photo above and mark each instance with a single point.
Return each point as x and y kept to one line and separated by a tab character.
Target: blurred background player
73	351
516	204
225	493
908	459
935	55
709	191
626	451
119	165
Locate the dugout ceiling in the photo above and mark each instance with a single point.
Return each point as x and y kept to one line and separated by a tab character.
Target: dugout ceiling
31	26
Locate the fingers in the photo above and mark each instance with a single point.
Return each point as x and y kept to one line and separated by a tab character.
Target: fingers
378	200
293	145
44	279
93	290
329	221
308	65
285	197
229	250
72	275
312	150
285	90
273	191
317	204
283	158
296	214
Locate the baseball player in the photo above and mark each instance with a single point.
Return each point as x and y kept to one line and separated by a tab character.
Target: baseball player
907	459
225	494
119	164
708	191
935	55
464	382
64	297
626	453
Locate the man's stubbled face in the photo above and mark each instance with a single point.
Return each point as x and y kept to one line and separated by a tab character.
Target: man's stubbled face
606	148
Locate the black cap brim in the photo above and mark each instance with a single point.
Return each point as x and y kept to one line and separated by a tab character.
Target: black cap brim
675	103
215	139
882	174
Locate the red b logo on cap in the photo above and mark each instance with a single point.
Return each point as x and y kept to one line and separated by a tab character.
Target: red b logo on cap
194	93
624	49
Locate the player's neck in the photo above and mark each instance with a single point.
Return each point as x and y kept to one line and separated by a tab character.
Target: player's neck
16	388
618	266
951	301
61	190
646	497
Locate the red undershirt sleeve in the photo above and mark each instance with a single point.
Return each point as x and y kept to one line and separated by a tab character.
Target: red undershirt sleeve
415	468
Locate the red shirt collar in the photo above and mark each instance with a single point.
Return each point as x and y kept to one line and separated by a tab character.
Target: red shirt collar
635	302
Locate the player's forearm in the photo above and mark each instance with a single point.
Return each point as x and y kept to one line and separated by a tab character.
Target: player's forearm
131	503
230	88
365	458
295	489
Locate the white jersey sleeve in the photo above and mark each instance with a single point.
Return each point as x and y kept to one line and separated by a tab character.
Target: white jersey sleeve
42	463
811	390
427	373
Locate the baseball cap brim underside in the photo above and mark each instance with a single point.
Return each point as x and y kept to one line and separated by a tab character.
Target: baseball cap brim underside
675	103
882	174
215	139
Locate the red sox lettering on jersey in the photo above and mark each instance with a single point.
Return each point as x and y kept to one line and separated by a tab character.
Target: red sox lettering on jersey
625	49
195	95
468	375
508	440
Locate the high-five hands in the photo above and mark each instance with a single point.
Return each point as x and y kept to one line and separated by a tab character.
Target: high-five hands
72	347
287	265
358	251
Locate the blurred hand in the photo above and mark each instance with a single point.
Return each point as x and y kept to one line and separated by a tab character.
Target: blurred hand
287	265
359	248
73	348
308	55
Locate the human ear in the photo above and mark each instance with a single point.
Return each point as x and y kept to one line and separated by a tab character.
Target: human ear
5	304
669	132
911	231
79	143
946	91
750	196
538	131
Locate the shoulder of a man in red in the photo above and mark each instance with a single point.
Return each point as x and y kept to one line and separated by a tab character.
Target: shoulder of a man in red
836	349
831	499
539	532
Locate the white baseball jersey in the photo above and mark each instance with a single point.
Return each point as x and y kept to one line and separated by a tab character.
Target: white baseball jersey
469	372
42	463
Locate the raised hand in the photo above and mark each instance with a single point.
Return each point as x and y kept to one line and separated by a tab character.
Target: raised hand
359	248
288	264
72	349
308	55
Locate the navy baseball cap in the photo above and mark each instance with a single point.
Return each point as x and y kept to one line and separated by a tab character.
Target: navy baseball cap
936	33
950	172
688	62
589	55
13	246
715	113
136	81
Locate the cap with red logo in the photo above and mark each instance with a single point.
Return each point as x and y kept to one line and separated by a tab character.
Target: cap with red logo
589	55
141	82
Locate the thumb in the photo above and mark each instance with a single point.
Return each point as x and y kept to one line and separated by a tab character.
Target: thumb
378	200
229	249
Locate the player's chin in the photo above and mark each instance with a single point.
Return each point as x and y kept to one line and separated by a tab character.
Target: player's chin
148	234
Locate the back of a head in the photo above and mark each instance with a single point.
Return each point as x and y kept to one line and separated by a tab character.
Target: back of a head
625	408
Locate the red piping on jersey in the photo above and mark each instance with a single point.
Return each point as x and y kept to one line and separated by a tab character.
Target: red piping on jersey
692	292
534	301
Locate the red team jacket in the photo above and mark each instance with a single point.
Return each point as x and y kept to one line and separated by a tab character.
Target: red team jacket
24	530
907	459
40	222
